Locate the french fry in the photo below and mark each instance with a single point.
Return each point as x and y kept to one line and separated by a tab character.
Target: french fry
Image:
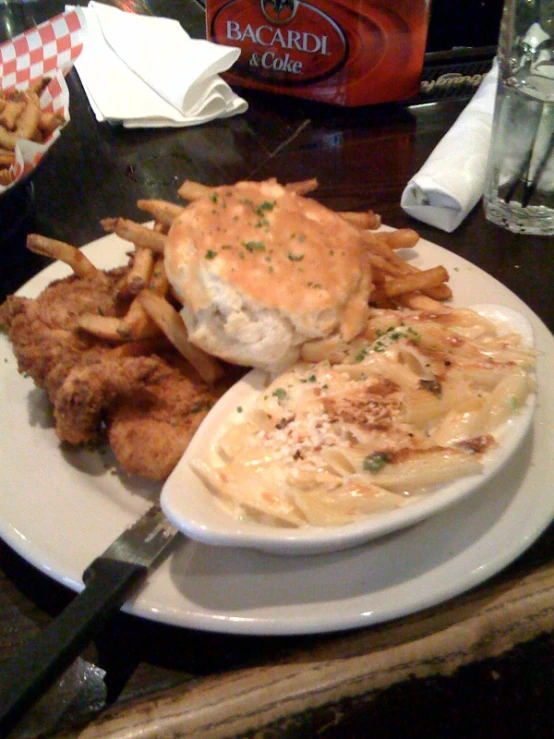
388	262
135	233
7	158
377	244
402	238
383	255
22	118
11	112
382	270
141	270
303	187
40	85
191	190
171	323
418	301
8	140
6	177
27	123
440	292
137	324
104	327
419	281
163	211
159	283
72	256
367	219
49	122
381	264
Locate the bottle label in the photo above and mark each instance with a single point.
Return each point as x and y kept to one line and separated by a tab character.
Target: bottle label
277	48
349	52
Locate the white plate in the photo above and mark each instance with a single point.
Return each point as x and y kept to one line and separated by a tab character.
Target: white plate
61	509
197	512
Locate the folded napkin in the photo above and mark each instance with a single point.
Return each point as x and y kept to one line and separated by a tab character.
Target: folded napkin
142	71
452	180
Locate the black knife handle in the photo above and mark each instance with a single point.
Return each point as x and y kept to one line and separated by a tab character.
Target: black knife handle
27	675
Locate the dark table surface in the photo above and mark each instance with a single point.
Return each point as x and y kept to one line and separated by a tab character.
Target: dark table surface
362	159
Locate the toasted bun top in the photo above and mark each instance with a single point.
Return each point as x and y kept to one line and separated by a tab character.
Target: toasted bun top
281	250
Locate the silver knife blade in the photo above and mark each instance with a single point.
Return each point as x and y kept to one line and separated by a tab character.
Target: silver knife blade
145	540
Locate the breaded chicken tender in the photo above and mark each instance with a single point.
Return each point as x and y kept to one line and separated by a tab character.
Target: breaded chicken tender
142	397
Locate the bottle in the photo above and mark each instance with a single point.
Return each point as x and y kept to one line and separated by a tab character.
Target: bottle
345	52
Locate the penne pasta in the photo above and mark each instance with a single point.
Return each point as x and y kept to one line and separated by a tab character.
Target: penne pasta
425	470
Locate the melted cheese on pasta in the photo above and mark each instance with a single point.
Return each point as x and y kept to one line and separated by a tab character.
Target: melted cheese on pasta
412	403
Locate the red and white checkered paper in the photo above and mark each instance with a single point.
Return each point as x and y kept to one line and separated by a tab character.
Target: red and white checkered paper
49	50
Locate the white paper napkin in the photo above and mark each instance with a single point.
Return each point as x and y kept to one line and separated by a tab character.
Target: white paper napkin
451	181
147	72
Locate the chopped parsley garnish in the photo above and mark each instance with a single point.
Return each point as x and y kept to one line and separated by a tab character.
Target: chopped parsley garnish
210	254
266	205
252	246
361	355
394	333
206	406
239	408
376	461
280	393
295	257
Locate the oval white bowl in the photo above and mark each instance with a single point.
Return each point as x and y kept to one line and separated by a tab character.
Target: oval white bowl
201	516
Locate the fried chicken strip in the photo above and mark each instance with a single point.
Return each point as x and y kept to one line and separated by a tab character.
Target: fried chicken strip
142	396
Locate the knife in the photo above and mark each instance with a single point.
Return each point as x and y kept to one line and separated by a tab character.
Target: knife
109	581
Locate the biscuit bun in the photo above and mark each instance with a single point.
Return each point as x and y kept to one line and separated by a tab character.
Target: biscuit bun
260	270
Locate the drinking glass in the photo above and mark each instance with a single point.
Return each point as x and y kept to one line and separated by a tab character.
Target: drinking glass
519	188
